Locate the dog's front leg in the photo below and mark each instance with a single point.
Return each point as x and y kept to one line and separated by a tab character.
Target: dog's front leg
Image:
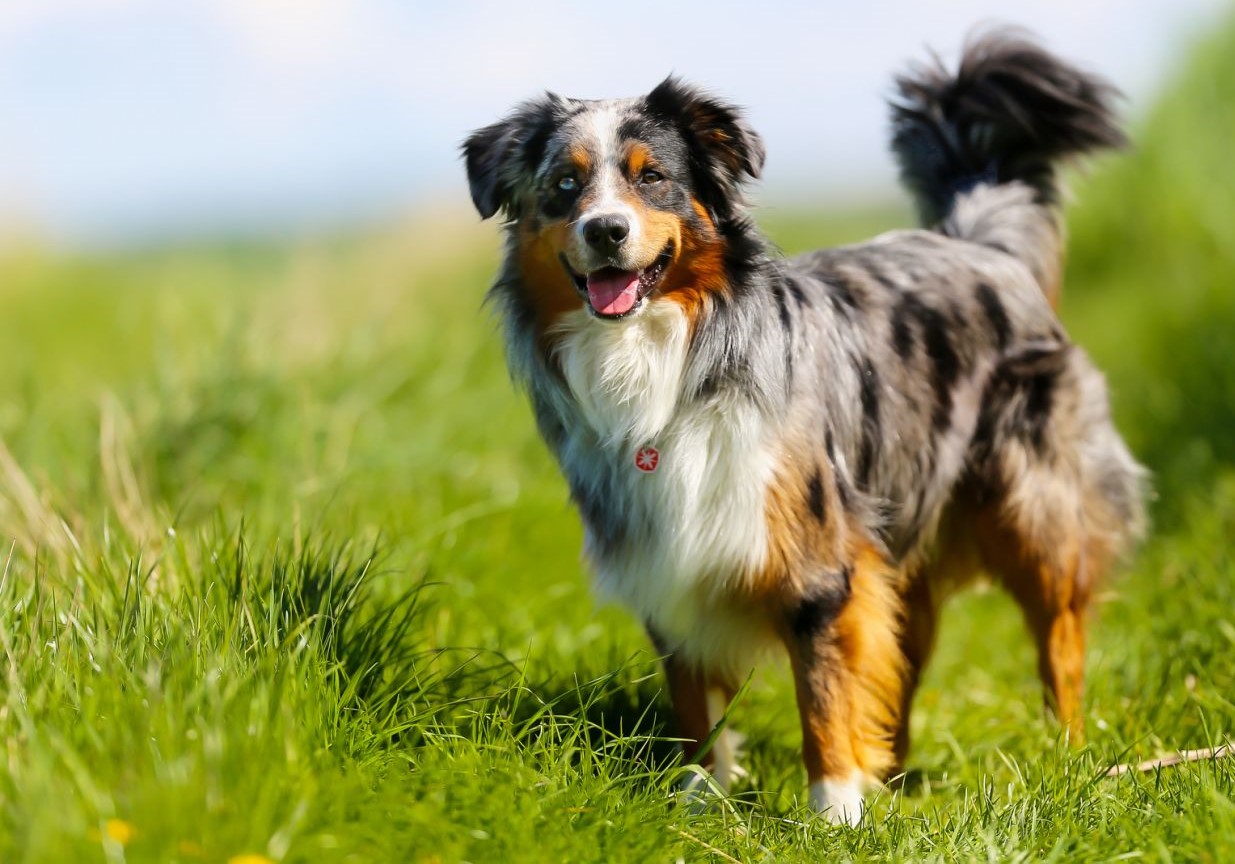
699	702
688	692
848	671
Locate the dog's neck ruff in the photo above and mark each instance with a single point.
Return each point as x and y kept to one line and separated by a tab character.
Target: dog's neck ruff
684	480
625	377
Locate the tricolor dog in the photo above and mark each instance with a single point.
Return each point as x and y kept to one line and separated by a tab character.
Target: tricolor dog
813	452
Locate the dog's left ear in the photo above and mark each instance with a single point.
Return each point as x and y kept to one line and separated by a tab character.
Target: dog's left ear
501	157
724	150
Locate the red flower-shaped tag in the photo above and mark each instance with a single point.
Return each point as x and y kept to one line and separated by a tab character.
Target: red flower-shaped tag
647	459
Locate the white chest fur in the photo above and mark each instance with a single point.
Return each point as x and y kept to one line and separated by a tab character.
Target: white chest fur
701	512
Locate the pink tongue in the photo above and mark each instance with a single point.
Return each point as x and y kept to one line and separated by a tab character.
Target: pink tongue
612	291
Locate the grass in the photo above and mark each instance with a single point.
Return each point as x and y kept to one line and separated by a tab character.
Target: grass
288	574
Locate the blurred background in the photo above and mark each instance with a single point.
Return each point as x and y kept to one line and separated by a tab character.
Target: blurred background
134	122
241	321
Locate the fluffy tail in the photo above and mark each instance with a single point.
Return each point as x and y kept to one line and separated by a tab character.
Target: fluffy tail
980	149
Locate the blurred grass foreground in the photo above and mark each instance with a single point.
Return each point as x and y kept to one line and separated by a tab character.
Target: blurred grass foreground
288	576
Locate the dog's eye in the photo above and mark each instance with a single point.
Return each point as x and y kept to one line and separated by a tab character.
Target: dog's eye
649	177
567	183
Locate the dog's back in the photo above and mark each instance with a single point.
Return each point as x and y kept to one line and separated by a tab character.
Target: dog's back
947	366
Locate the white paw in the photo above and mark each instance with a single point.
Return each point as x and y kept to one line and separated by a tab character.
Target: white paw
727	748
725	753
698	789
839	801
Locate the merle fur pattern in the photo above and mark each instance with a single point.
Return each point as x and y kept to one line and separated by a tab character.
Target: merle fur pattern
888	379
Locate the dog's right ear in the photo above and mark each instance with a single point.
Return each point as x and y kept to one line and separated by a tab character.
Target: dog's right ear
724	150
501	158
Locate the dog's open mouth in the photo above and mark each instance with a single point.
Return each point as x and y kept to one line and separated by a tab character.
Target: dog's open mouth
613	293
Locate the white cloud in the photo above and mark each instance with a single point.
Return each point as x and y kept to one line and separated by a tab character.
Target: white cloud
299	39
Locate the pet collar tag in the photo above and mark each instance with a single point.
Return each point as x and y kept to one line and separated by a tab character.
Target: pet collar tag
647	459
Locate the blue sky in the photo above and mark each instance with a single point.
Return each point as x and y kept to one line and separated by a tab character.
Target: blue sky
134	120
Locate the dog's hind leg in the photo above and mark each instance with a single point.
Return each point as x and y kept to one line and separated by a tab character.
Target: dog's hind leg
848	671
1064	504
917	638
952	564
1052	586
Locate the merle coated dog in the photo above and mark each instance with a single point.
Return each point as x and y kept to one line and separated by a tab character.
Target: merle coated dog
813	452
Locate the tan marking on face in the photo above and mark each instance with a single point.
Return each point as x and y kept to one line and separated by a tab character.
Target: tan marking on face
549	287
579	157
698	273
638	159
657	230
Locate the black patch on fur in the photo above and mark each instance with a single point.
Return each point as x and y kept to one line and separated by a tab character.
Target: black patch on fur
945	364
902	326
871	426
1039	399
795	291
814	496
879	276
994	398
710	386
996	315
725	344
556	204
841	295
786	324
843	492
778	292
820	606
1019	399
596	507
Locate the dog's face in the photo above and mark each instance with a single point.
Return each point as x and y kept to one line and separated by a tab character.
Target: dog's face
616	203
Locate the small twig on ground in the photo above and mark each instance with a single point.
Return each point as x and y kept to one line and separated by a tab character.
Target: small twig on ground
1218	752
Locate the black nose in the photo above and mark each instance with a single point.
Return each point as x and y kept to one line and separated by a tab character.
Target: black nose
606	233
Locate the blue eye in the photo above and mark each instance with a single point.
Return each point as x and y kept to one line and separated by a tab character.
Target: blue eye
568	184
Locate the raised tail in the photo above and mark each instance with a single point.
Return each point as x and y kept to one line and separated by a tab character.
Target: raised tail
980	149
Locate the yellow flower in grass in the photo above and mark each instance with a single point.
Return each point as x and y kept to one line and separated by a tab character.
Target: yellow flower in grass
250	858
120	831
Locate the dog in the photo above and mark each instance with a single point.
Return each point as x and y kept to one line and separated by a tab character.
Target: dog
814	452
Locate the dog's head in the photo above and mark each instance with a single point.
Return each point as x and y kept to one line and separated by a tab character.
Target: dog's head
616	202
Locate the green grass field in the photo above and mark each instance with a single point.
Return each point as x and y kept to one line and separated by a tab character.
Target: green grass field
288	576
